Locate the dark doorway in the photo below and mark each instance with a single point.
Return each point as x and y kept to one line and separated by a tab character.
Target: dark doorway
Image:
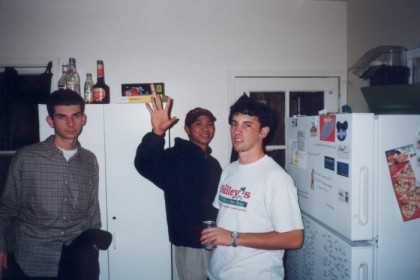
19	125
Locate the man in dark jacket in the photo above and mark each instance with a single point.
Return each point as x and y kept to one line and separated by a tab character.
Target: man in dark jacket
188	175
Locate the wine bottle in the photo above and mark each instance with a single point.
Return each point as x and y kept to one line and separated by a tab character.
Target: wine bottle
100	89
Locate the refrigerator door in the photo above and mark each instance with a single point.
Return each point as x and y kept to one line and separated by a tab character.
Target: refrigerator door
331	160
132	208
136	208
325	255
398	197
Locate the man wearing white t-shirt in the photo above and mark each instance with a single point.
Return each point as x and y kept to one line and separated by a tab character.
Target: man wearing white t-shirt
259	215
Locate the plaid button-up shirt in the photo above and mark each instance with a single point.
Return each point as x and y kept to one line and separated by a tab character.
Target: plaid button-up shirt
47	202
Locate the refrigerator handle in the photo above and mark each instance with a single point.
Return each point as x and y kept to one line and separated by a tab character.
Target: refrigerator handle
363	195
363	271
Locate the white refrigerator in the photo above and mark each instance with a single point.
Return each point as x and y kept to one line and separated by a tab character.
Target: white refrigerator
358	181
132	208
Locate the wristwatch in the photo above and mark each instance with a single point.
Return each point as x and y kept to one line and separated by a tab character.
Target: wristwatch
235	236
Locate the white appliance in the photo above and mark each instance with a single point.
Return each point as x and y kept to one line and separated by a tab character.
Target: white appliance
132	208
358	180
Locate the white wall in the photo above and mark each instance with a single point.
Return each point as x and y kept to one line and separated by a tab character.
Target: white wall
376	23
189	45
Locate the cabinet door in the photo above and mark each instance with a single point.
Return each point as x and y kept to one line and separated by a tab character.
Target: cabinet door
136	209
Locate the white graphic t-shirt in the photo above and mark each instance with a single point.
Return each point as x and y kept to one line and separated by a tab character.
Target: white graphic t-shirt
256	197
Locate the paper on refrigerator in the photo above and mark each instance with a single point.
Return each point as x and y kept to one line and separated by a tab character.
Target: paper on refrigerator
297	148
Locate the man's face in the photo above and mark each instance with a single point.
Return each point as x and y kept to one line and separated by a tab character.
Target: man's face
246	133
68	122
201	131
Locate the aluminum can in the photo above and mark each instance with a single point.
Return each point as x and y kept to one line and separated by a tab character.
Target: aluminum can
208	224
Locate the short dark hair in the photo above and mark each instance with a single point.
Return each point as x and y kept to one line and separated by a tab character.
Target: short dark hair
248	106
64	97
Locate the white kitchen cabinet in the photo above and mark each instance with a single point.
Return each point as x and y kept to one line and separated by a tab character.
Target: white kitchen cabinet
132	208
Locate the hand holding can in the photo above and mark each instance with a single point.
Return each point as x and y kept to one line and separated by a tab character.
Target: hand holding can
208	224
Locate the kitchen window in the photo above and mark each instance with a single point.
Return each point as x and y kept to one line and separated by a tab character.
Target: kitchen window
288	95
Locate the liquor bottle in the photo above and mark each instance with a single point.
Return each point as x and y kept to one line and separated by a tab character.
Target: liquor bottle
62	82
100	89
73	78
88	89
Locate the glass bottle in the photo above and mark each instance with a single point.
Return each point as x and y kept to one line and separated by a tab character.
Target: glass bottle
73	78
100	89
62	82
88	89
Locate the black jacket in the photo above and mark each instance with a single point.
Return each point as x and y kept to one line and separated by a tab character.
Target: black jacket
189	178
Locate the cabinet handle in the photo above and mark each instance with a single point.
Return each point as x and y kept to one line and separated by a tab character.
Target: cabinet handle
114	240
